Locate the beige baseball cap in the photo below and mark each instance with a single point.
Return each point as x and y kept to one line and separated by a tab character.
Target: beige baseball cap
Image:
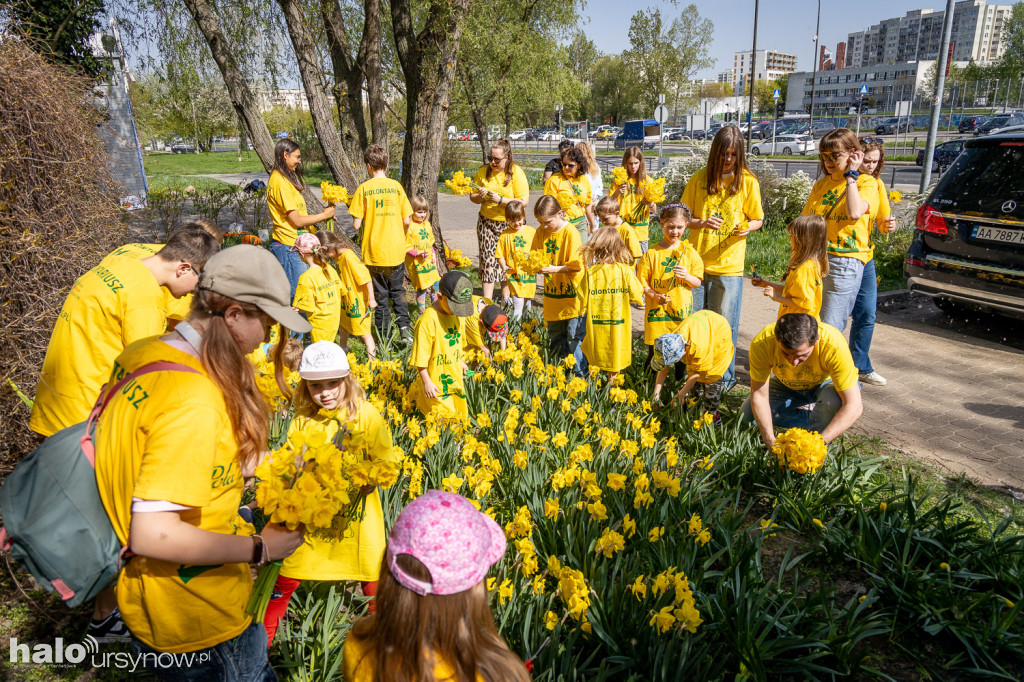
251	274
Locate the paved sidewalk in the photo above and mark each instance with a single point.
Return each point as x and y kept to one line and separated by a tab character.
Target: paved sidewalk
953	400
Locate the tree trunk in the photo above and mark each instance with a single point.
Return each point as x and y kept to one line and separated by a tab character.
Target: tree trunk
348	77
428	63
316	93
241	96
475	110
370	58
241	139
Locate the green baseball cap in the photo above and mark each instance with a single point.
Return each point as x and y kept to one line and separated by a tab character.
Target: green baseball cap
456	287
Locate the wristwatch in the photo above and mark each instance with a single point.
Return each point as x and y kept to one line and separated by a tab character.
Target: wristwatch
851	174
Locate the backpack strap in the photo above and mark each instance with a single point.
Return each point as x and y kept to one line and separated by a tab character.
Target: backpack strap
86	442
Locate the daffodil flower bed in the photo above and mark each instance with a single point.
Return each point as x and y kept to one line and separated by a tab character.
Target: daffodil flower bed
656	545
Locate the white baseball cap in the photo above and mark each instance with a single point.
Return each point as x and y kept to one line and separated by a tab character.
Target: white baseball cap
323	360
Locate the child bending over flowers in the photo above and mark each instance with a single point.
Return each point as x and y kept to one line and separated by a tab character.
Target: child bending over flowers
329	400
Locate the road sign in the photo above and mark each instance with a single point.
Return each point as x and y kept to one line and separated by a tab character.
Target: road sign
864	89
661	113
777	93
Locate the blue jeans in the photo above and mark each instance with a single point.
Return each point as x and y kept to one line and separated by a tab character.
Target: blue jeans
291	262
242	659
723	294
839	290
566	338
863	326
787	406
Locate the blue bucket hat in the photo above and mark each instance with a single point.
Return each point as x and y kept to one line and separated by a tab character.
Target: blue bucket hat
668	350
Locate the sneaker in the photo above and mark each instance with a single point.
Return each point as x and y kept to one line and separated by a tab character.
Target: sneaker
873	378
110	629
406	335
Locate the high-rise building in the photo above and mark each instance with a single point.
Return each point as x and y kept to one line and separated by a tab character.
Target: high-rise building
724	77
977	35
768	65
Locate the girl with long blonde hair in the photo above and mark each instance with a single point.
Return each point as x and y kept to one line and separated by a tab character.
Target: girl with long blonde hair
631	195
800	289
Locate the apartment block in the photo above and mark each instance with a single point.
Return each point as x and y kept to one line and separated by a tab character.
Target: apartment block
295	99
766	65
977	35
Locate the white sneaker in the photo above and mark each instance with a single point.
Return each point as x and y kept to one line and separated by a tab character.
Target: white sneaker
873	378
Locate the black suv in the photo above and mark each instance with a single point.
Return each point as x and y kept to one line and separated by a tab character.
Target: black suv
999	121
969	244
894	125
944	156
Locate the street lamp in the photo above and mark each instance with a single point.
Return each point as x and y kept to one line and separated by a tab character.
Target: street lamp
814	74
558	117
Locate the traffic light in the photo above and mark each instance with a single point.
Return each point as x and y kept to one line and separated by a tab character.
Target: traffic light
728	116
780	109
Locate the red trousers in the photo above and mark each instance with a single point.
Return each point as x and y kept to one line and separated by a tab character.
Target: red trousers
284	588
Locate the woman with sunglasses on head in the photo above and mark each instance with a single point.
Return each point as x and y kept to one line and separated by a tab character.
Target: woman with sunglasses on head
862	326
173	448
500	181
571	187
848	200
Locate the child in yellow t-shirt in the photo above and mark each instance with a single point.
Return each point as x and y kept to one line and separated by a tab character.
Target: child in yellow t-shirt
669	271
318	291
514	249
630	194
608	213
329	400
608	286
800	290
563	309
437	349
703	346
419	254
357	294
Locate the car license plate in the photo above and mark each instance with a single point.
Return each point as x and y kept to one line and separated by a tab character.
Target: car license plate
997	234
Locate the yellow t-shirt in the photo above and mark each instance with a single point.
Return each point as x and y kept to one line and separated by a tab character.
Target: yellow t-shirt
803	286
514	248
573	195
632	196
167	437
174	308
318	294
561	290
831	358
438	347
420	236
473	333
884	209
282	199
605	291
655	271
709	348
107	309
629	236
358	555
359	663
356	316
846	237
517	188
382	205
722	251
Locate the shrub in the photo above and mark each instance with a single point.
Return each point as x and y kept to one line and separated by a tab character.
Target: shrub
59	215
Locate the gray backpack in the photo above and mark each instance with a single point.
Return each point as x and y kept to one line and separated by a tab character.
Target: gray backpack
55	524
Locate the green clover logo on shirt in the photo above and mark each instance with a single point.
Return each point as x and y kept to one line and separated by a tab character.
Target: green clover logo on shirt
831	198
423	233
670	263
453	336
519	242
552	246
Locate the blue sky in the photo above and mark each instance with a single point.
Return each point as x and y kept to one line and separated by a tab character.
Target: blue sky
783	25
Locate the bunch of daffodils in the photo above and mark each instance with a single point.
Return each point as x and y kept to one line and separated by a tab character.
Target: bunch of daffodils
802	451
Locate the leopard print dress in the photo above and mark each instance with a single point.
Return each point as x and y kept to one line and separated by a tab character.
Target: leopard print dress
487	233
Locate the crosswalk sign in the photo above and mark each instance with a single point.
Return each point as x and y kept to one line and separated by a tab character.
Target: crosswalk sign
777	93
863	89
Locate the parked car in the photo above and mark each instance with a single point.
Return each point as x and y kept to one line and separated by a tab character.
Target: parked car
641	132
763	130
944	156
606	133
785	144
969	123
531	136
182	148
677	134
893	125
517	135
550	136
968	249
998	122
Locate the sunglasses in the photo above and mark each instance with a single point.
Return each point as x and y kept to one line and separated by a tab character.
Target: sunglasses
834	156
495	159
873	140
570	165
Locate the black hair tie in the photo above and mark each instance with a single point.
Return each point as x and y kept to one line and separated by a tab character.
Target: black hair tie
217	313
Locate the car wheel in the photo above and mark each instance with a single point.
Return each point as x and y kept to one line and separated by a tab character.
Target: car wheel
936	168
787	150
754	151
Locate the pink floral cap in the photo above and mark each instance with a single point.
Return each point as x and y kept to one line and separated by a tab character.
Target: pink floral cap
306	243
446	533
